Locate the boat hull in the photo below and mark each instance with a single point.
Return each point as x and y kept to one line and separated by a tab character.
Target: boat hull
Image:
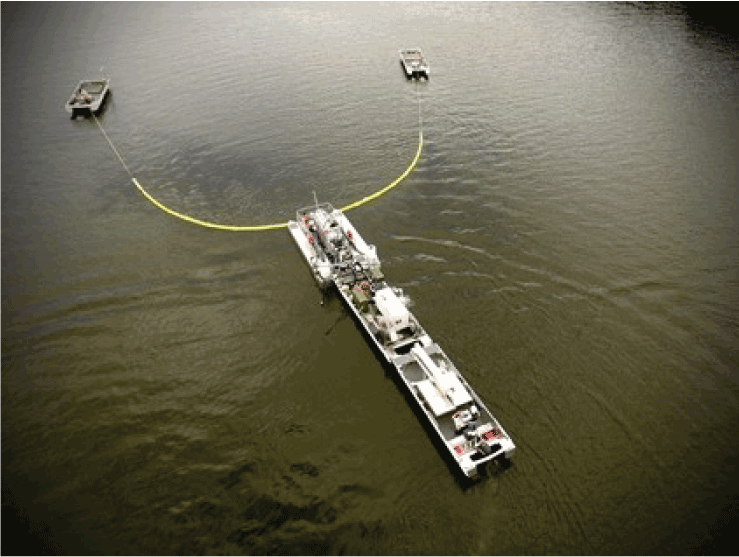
88	97
457	418
470	469
413	63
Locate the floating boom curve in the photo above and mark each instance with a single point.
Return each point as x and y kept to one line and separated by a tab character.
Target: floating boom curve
262	227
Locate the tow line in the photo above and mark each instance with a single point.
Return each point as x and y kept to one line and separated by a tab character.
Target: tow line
261	227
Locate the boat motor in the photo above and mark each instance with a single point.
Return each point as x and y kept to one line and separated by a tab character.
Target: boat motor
465	419
484	448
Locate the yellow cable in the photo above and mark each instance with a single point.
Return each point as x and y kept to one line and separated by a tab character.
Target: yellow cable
206	223
391	185
256	228
260	227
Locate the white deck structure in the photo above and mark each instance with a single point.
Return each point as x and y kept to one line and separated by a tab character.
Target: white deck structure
339	257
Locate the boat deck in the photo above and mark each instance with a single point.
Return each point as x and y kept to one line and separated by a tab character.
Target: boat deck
88	97
339	256
413	62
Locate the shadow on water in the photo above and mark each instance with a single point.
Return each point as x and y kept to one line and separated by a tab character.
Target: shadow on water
29	537
712	16
328	300
266	510
30	530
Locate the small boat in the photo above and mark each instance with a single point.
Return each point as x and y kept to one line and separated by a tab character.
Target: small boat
414	64
340	258
88	97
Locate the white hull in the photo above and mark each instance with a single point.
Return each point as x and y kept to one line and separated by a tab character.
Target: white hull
338	256
413	62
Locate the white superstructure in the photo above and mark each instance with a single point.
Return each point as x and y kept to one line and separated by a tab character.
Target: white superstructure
338	256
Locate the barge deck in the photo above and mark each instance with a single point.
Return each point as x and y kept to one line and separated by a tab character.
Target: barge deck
340	258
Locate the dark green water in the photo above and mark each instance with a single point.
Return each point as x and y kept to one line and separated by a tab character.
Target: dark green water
570	237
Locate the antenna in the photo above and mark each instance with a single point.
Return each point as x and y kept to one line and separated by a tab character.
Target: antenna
315	198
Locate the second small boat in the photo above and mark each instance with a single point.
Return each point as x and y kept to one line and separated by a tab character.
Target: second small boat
88	97
414	64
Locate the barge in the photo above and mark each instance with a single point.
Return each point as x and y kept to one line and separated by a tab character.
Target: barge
88	97
339	258
414	64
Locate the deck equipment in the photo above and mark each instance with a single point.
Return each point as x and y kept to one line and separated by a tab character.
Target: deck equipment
339	257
